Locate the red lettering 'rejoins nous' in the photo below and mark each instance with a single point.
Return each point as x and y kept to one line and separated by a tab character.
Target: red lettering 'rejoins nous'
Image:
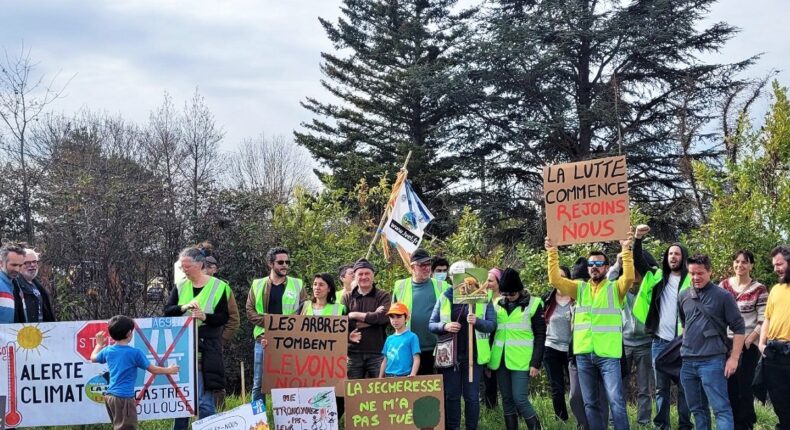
584	209
583	230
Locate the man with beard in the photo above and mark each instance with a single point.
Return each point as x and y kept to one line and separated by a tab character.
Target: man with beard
31	299
12	259
656	306
775	339
597	330
276	294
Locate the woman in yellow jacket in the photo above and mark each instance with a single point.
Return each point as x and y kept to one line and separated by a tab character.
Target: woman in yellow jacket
518	348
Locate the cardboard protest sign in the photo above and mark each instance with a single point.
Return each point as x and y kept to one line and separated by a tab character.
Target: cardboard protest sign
249	416
305	408
395	403
305	351
48	369
586	201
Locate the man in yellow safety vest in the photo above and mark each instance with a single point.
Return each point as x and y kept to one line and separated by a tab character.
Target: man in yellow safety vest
420	293
598	330
277	294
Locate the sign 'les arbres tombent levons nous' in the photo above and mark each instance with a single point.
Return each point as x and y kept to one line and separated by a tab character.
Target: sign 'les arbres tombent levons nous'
586	201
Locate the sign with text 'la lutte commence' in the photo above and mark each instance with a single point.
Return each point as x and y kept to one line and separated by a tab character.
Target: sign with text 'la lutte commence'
587	201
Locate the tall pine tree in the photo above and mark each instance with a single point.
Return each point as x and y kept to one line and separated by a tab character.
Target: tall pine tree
562	80
394	89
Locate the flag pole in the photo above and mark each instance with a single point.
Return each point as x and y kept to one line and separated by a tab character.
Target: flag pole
384	216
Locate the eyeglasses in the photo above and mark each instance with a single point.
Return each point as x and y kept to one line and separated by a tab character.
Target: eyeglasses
596	263
509	294
31	263
283	262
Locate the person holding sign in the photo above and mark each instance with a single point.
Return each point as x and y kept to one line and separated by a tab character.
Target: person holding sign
597	330
324	301
206	298
420	293
276	294
518	348
455	319
402	349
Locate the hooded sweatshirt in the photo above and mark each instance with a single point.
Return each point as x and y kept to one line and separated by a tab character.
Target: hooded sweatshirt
662	315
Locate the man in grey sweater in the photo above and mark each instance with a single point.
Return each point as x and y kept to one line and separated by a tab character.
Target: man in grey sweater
705	312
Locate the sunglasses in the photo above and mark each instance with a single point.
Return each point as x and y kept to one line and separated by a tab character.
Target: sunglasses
596	263
509	294
283	262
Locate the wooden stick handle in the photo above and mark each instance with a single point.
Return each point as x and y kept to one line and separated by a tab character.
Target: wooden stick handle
243	387
471	346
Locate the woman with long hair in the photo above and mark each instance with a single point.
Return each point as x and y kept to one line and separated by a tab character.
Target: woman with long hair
752	298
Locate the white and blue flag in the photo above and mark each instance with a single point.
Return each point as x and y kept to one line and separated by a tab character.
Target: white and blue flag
407	219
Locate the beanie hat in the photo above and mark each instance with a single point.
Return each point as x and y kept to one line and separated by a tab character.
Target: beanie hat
363	264
510	282
497	272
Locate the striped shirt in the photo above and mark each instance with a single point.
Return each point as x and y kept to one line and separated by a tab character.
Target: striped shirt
6	299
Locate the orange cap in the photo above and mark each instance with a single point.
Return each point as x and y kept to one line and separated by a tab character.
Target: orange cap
398	309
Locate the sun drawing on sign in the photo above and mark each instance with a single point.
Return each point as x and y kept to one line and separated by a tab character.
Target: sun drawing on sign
30	338
260	425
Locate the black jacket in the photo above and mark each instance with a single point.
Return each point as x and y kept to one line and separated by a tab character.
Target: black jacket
641	265
209	340
46	306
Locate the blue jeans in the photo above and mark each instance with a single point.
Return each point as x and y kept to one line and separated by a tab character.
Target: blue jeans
663	385
257	372
205	405
456	383
705	378
514	386
589	367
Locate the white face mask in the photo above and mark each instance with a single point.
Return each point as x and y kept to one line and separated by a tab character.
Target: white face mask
441	276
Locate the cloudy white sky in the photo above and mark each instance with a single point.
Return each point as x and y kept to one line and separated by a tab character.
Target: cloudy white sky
253	60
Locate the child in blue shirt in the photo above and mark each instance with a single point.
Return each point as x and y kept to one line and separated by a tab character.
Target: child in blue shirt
402	349
123	361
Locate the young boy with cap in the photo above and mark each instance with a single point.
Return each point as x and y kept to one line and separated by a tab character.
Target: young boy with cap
402	349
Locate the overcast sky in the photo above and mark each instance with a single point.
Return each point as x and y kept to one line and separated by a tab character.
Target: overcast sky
253	60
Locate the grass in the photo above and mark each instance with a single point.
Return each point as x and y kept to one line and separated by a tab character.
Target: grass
489	419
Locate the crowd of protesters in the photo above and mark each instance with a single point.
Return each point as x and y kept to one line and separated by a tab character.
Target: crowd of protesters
662	322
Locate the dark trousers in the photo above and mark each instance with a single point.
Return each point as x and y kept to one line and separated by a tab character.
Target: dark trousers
489	392
556	363
426	363
457	385
776	373
739	389
363	365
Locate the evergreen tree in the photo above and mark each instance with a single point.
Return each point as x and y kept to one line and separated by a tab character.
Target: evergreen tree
393	80
562	80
